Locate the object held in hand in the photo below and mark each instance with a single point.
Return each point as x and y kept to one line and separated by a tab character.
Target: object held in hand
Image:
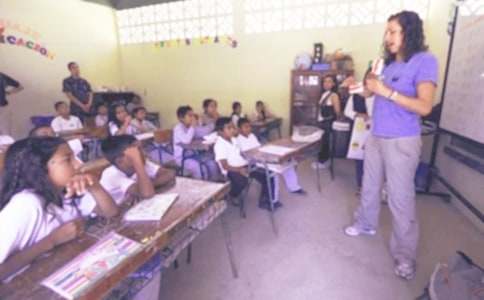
356	88
377	66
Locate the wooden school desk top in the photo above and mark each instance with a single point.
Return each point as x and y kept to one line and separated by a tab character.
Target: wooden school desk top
297	149
194	197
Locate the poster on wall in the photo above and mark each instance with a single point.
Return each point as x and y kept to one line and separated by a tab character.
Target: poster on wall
23	36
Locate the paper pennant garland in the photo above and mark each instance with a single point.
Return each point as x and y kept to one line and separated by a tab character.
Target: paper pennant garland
223	40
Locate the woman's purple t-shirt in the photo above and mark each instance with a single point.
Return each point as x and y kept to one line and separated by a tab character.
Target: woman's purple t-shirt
391	120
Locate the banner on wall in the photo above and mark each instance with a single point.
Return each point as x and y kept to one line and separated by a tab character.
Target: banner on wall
28	38
224	40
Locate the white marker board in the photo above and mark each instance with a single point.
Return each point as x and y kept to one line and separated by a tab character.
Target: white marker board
463	109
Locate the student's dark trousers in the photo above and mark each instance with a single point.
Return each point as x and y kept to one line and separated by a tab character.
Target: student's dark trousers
239	182
324	153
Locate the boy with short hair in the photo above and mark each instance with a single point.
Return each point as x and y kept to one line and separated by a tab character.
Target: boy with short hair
130	173
246	141
228	155
184	133
139	122
64	120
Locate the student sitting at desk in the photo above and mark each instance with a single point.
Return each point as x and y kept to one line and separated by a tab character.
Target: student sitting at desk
102	115
45	131
64	120
130	173
261	112
206	123
235	167
246	141
139	122
237	113
40	203
120	121
184	133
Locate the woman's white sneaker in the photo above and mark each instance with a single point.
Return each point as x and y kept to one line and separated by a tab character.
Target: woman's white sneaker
355	230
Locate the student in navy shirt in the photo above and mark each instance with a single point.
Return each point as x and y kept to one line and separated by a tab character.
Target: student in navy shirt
403	95
79	92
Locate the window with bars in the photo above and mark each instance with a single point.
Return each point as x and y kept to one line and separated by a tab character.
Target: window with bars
284	15
187	19
471	8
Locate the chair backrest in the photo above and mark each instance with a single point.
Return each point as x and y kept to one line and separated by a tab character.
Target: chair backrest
163	136
99	132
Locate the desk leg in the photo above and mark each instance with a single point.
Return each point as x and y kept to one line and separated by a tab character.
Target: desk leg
331	154
271	198
228	245
189	253
318	176
183	163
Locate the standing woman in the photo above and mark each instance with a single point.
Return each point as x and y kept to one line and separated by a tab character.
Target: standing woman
330	110
404	94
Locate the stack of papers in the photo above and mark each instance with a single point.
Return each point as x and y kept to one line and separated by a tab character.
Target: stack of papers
151	209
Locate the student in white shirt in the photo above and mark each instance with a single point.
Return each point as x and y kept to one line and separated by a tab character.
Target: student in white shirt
232	164
42	131
184	133
120	121
237	113
130	174
246	141
40	201
64	120
139	122
102	115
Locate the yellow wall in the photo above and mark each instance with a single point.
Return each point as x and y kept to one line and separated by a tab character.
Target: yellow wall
73	30
258	68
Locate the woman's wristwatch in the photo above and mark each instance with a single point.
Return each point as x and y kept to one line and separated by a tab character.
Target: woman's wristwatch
393	95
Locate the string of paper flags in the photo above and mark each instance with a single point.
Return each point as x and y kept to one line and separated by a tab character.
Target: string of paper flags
223	40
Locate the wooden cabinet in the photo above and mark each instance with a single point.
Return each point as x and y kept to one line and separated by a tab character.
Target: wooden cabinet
306	90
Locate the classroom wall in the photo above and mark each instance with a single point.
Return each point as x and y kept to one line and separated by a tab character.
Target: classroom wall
258	68
72	30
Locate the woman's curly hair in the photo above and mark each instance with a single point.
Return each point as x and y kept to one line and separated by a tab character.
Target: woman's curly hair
26	168
413	35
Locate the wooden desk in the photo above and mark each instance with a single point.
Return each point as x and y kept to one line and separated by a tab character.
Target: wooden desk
195	197
261	128
256	157
262	157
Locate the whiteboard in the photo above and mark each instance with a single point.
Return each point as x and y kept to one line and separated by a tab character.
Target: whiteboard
463	108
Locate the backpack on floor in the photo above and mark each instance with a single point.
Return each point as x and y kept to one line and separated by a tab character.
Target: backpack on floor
460	279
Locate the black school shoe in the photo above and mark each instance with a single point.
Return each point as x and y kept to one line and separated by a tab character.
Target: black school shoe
299	192
265	205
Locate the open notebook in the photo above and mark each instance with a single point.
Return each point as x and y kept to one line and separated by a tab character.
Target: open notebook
151	209
75	278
